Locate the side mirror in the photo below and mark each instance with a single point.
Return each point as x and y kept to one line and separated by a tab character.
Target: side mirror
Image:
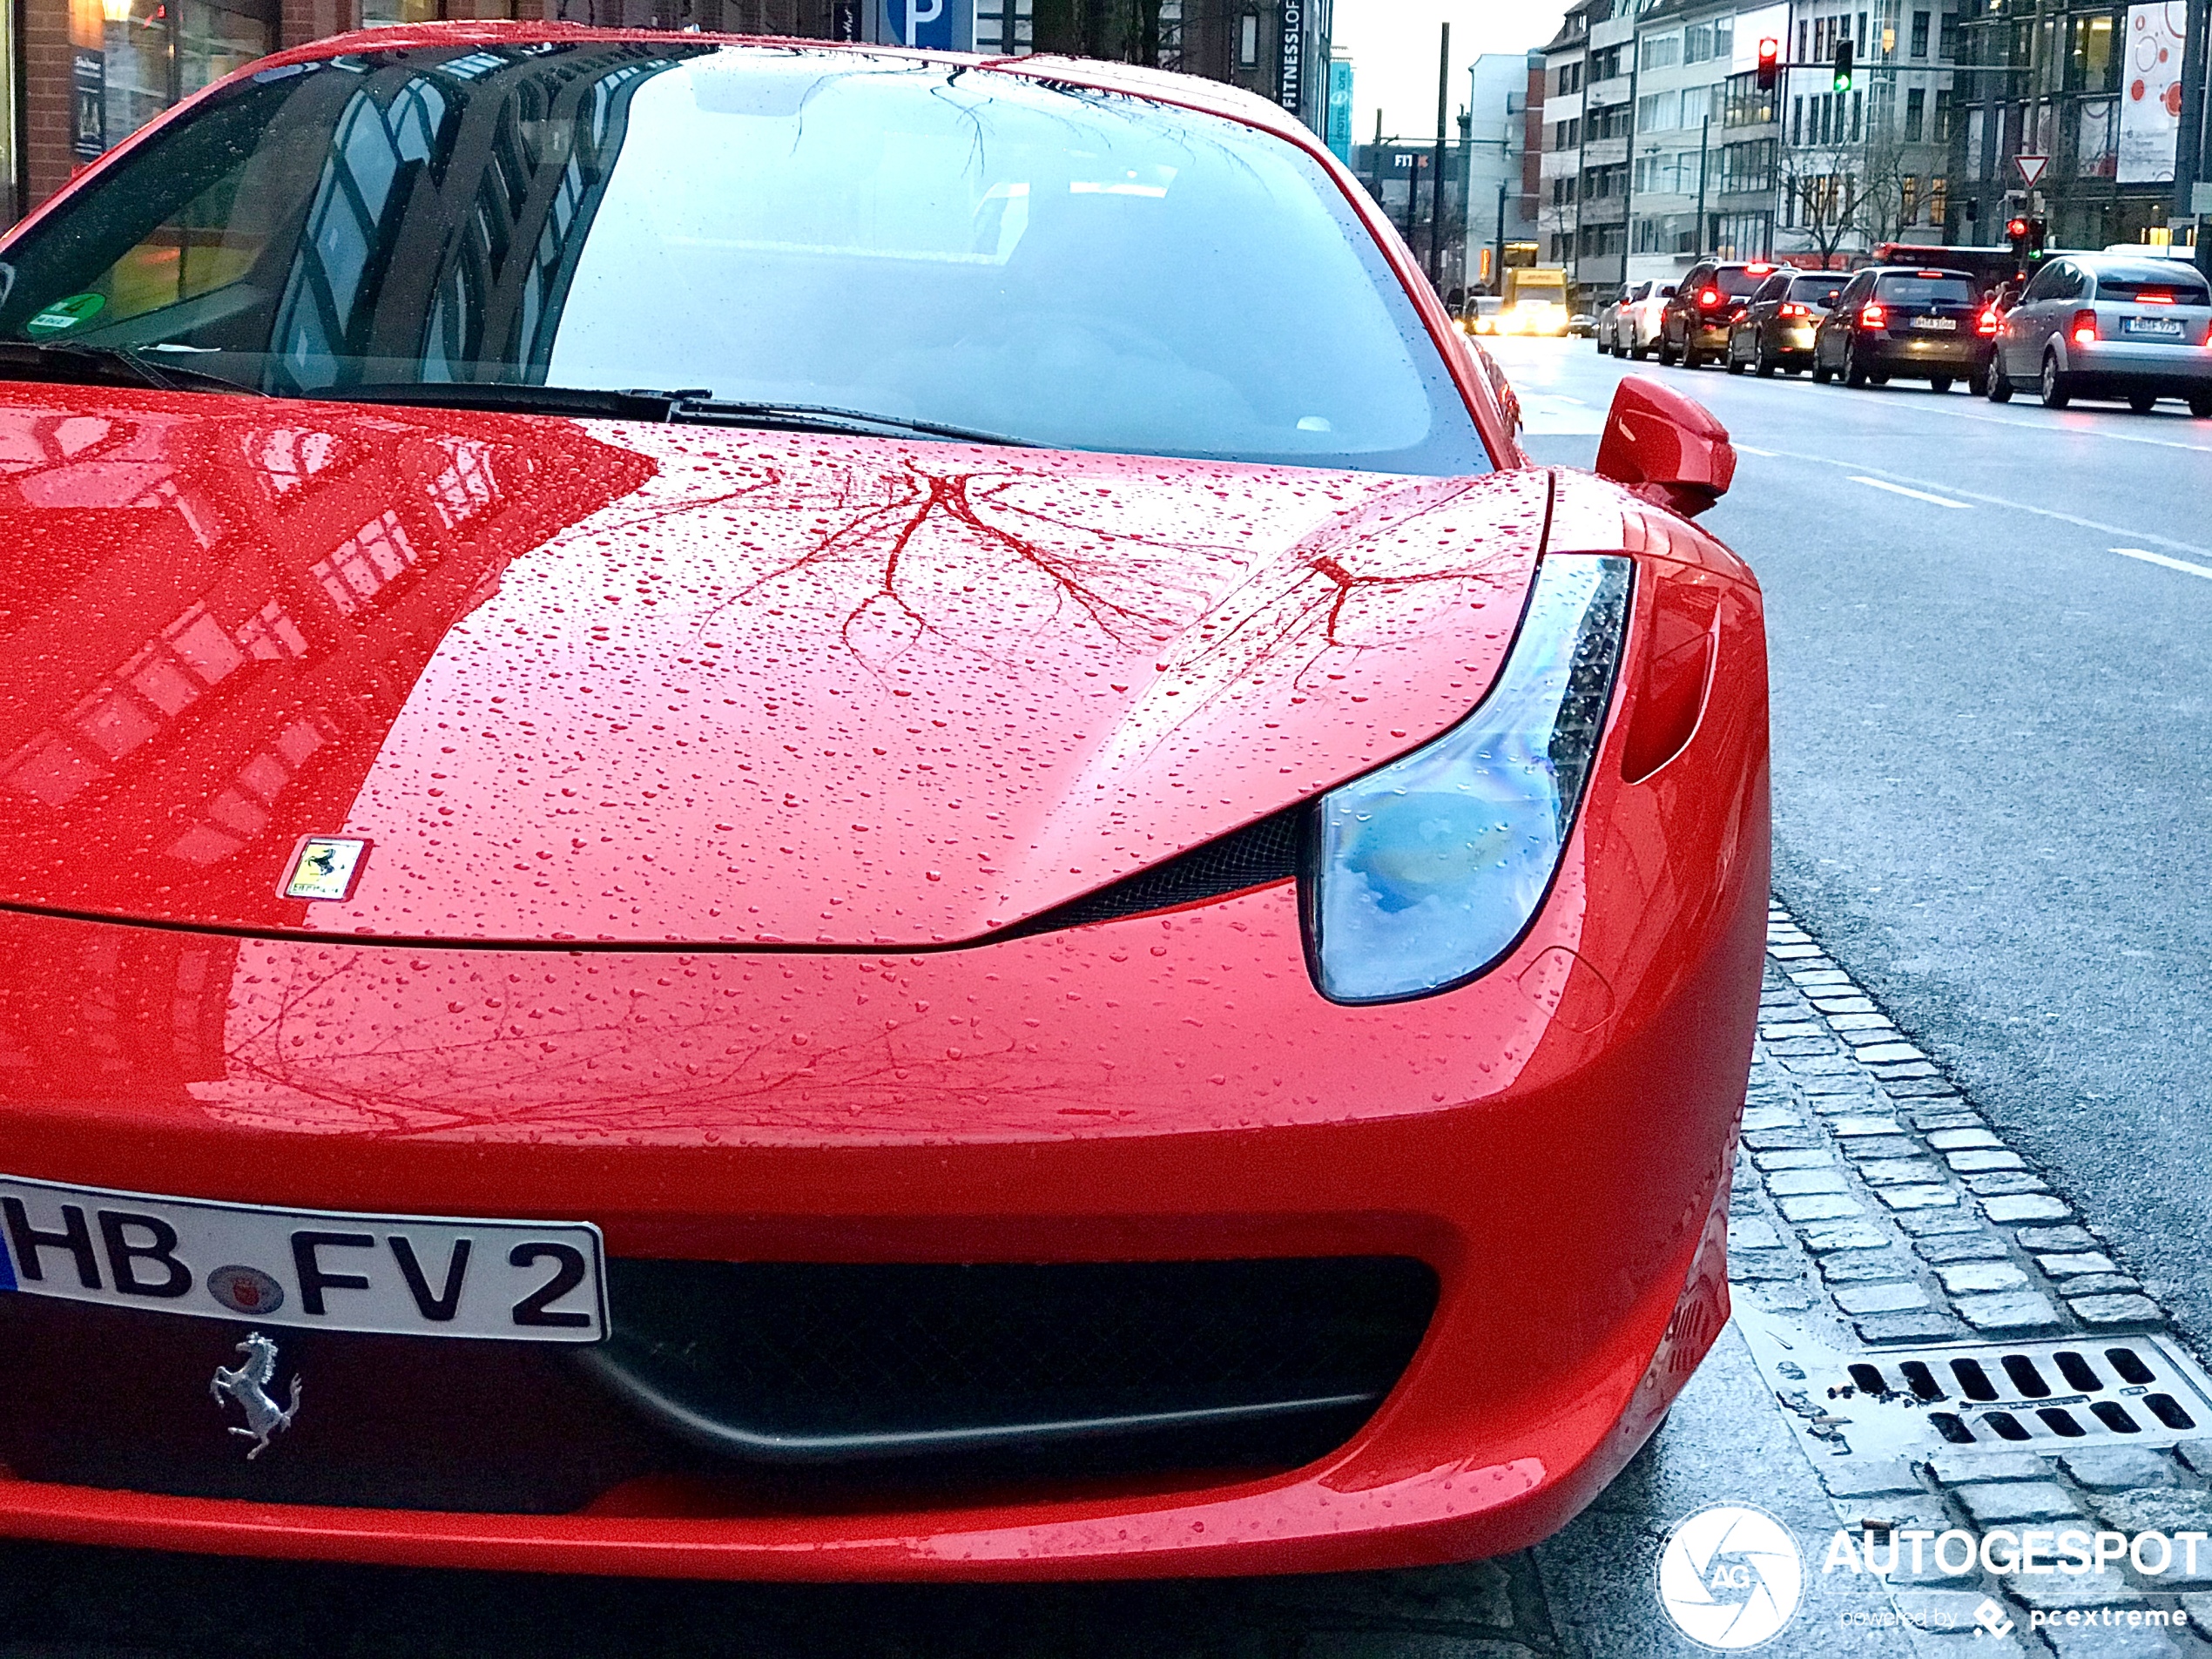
1665	448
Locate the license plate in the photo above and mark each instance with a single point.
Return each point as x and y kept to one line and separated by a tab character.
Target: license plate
2152	327
1938	325
521	1281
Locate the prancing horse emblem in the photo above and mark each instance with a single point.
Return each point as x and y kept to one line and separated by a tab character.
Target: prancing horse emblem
249	1386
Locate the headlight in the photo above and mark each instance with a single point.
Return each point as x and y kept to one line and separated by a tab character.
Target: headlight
1422	874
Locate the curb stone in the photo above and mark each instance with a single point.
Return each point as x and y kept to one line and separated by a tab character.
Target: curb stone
1890	1213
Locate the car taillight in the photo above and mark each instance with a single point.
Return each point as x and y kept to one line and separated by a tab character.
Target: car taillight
1872	316
1708	298
2085	327
2154	298
1790	310
1986	323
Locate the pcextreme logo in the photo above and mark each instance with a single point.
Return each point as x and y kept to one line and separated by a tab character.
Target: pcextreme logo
1731	1577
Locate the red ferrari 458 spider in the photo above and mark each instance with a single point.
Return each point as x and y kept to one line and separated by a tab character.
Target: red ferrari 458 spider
788	810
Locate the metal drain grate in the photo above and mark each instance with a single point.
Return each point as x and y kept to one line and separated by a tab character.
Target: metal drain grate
2005	1395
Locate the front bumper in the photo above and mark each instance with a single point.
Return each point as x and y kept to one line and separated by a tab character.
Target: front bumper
1554	1140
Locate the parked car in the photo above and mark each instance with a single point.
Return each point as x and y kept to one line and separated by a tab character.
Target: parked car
2110	325
1612	317
1694	323
1776	329
1015	930
1641	338
1889	323
1582	324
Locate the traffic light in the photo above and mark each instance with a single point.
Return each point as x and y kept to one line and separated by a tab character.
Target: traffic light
1843	66
2026	235
1769	62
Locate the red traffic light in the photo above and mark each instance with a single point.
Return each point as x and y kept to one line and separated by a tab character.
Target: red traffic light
1769	62
2016	227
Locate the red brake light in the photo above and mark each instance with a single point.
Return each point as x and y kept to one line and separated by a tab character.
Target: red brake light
1759	270
2085	327
2154	298
1709	297
1986	323
1872	316
1791	308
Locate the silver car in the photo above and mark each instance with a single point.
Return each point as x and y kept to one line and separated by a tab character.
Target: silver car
1628	322
2110	325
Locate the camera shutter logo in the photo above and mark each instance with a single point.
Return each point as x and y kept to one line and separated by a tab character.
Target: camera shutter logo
1731	1577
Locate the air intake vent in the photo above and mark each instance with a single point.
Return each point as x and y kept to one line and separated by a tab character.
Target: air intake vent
1251	857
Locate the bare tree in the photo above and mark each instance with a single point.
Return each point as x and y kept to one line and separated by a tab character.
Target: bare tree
1848	195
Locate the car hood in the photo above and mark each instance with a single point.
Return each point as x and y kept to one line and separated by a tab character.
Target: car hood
609	683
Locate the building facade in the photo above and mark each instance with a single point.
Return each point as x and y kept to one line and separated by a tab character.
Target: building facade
2091	89
78	77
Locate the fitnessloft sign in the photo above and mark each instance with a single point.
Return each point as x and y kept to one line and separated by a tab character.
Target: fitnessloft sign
1293	56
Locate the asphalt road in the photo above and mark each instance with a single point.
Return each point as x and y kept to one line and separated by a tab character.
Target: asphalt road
1993	749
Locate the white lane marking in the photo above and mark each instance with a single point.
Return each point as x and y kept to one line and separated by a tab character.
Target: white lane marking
1746	450
2098	525
1917	495
2149	557
2076	429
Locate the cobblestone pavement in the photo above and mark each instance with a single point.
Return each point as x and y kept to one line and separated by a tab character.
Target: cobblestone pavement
1928	1361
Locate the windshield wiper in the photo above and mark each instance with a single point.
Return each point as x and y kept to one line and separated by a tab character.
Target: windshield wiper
587	401
813	417
32	360
691	406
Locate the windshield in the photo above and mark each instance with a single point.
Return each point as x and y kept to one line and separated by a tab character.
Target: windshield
1814	290
919	241
2182	287
1925	290
1737	280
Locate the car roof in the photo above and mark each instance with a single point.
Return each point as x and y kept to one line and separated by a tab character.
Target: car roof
2135	266
1904	271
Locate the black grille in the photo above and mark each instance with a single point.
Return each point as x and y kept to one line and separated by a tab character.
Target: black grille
1251	857
779	1384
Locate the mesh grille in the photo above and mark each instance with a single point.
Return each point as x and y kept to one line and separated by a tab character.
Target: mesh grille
116	1398
1248	858
817	1349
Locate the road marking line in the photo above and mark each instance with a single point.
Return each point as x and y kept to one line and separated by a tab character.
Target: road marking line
1917	495
1746	450
2098	525
2149	557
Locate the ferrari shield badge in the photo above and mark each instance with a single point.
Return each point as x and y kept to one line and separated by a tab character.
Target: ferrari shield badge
325	866
247	1387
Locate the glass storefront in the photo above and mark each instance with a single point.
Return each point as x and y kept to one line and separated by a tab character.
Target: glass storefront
159	51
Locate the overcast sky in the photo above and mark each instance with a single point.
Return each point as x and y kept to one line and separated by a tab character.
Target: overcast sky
1392	44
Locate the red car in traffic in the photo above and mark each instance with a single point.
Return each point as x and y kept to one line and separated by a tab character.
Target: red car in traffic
777	811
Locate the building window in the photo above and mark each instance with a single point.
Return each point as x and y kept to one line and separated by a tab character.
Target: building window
2092	64
2094	156
1939	202
1943	106
1916	114
1804	50
1857	104
1797	122
1920	34
1662	51
1703	42
1908	211
1247	40
1977	126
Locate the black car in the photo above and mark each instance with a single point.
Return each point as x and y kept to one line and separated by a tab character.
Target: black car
1924	325
1695	325
1776	330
